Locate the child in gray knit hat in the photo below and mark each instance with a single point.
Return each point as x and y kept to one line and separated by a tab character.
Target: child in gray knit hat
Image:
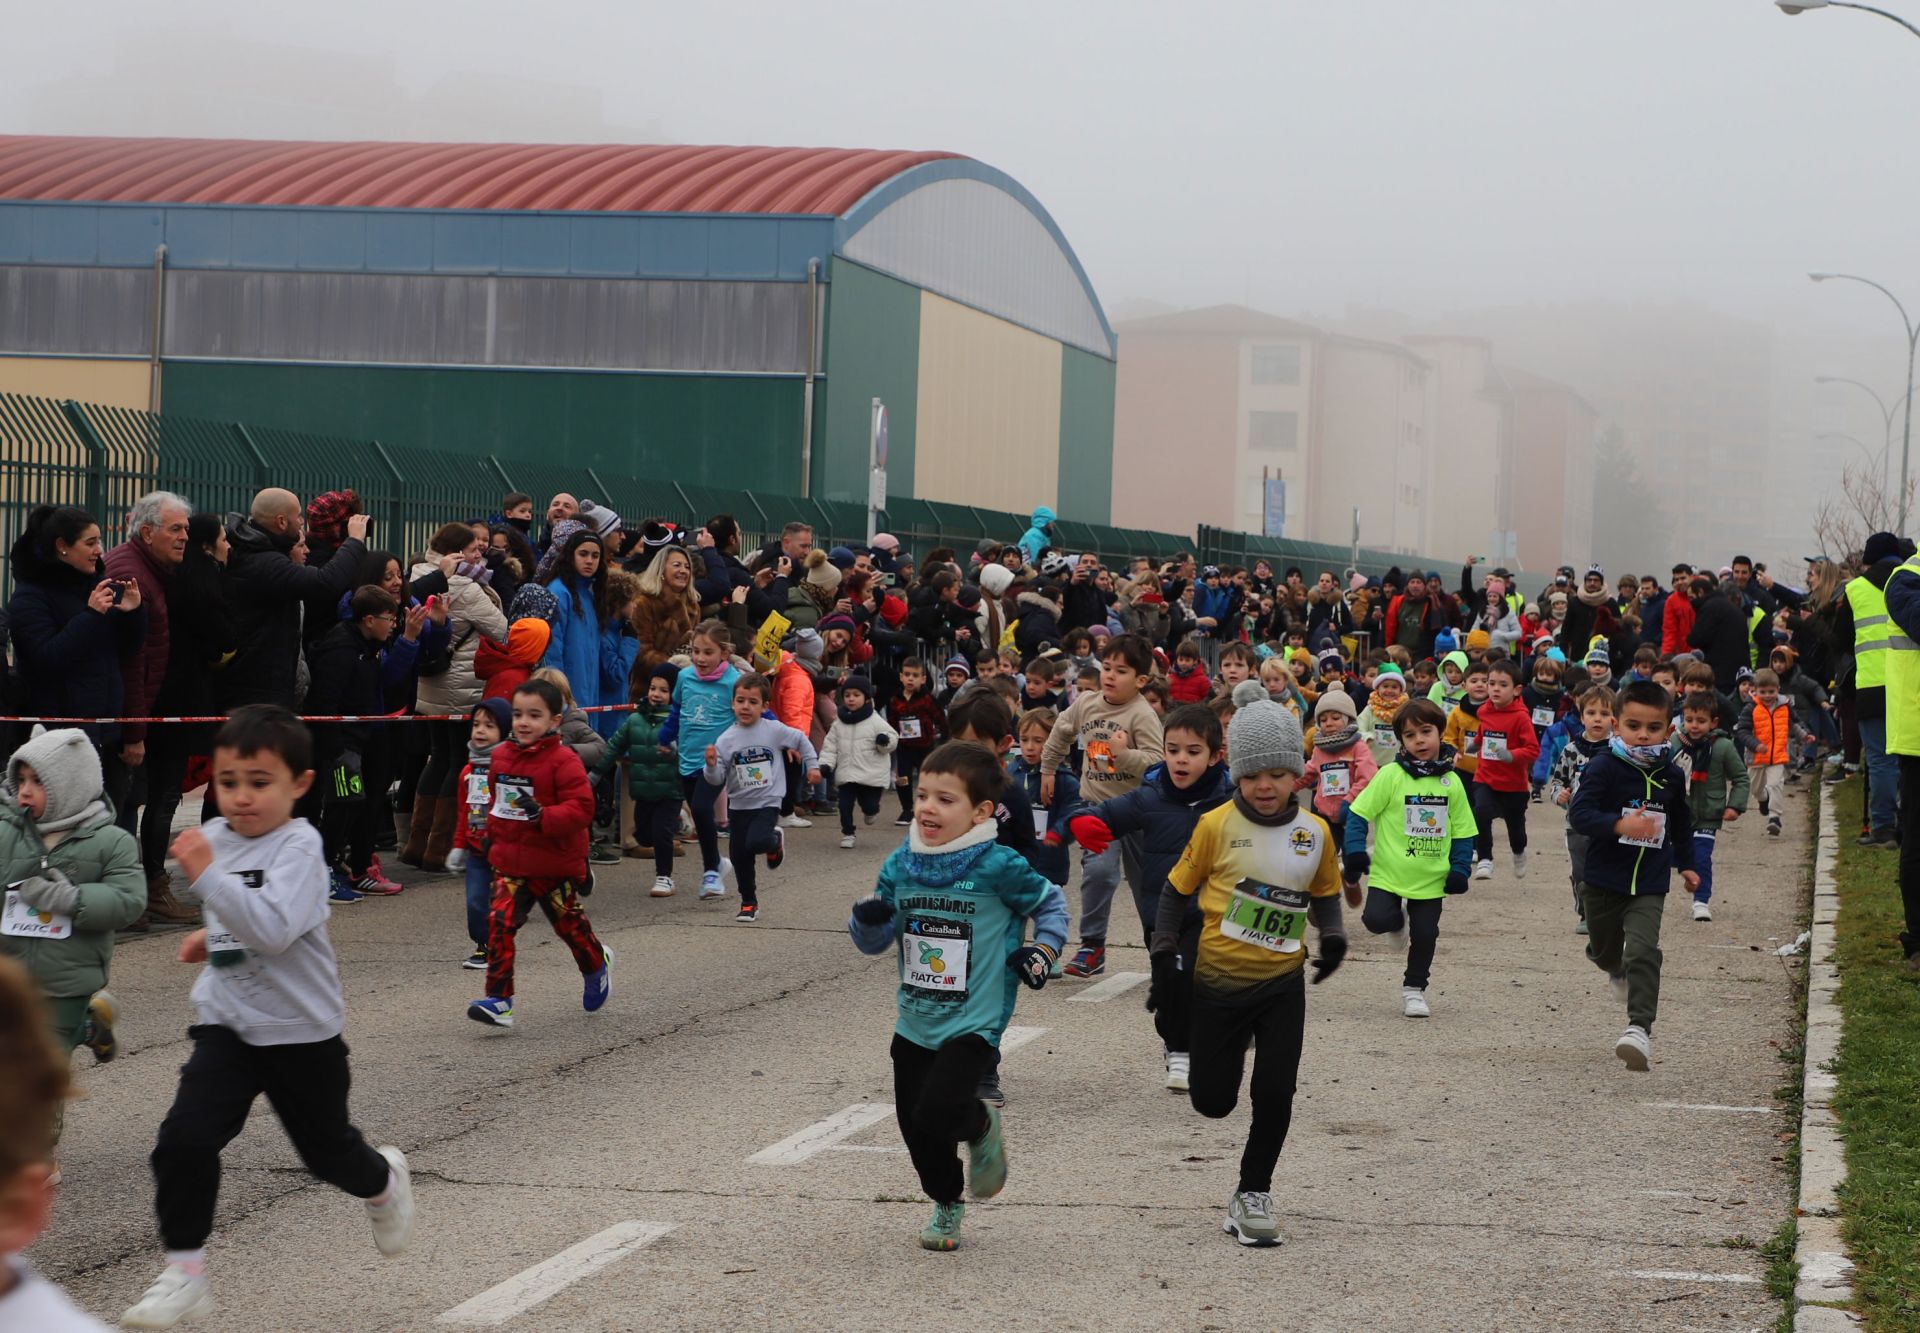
1259	868
72	879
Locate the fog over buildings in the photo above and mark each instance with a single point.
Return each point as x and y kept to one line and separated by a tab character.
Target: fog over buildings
1512	245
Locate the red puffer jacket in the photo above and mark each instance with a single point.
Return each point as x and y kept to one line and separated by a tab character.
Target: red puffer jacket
553	845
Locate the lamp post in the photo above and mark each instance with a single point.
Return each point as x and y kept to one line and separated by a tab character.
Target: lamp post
1913	343
1886	417
1802	6
1873	461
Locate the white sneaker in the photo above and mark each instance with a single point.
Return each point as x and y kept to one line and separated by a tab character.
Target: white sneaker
795	821
1635	1048
662	887
1519	865
1701	912
1398	940
711	887
1484	870
846	841
726	873
1618	981
1179	1065
1413	1003
393	1220
176	1297
868	818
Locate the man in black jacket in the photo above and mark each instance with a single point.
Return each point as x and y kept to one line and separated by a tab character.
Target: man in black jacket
1719	631
265	589
1083	605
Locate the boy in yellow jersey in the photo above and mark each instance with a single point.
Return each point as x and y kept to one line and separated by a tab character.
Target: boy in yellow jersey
1261	868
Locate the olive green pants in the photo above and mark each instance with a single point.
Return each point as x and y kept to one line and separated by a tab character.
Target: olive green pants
1623	935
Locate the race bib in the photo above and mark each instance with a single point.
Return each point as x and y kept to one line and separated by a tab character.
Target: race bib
30	923
1543	716
224	948
909	728
1426	817
477	793
751	775
513	798
935	955
1659	818
1493	745
1383	735
1039	823
1335	780
1265	916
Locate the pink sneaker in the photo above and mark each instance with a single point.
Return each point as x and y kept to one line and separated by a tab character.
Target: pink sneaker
376	881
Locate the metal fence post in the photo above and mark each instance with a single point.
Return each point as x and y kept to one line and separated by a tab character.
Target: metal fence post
399	508
96	491
501	473
260	468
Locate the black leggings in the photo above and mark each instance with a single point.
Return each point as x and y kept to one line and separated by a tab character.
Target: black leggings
1489	805
868	798
701	795
446	755
1223	1027
936	1100
654	824
906	768
1387	911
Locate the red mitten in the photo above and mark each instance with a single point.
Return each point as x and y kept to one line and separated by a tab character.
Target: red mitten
1091	832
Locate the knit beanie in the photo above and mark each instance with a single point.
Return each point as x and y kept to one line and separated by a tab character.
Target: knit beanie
1248	692
957	662
968	597
501	712
1335	701
666	671
821	572
856	681
68	767
1478	641
838	620
893	610
1098	632
808	646
598	518
1598	655
1330	661
995	579
1264	735
654	535
841	558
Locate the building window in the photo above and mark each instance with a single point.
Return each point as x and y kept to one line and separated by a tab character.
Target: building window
1273	432
1276	363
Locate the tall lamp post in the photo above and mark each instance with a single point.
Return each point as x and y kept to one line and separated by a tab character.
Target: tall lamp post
1802	6
1913	344
1886	418
1873	460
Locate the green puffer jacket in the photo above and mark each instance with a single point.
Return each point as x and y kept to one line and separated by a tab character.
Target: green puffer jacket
651	776
1717	780
105	862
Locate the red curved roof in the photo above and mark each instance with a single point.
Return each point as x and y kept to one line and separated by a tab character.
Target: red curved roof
611	178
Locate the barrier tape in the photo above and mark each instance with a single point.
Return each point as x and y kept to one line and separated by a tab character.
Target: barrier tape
316	717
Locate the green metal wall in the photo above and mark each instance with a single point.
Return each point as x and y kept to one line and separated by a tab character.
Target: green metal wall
700	429
1086	436
873	351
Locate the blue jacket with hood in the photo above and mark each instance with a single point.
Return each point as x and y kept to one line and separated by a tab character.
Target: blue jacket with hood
1037	538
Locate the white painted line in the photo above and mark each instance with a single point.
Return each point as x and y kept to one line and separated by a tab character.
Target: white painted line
1117	984
1680	1275
1014	1038
840	1125
1710	1106
861	1147
549	1277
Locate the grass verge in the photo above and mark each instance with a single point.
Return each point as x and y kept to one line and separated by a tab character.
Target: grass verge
1877	1078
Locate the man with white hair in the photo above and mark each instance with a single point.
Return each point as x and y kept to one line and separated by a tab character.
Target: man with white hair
156	543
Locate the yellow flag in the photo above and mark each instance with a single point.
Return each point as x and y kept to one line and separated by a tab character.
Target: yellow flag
766	646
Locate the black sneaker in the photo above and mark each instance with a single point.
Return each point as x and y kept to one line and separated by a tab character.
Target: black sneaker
989	1090
476	961
779	851
905	821
748	912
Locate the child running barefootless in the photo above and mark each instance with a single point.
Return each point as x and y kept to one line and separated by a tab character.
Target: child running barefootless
750	760
859	751
1260	868
271	1011
1632	805
491	723
1423	844
953	905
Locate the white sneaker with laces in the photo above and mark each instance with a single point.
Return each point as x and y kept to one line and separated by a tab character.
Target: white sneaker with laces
1179	1066
1250	1219
176	1297
846	840
1701	912
393	1220
1398	940
795	821
1484	870
1618	981
1413	1003
662	887
1635	1048
1519	865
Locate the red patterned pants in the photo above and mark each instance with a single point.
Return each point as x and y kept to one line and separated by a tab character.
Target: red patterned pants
512	900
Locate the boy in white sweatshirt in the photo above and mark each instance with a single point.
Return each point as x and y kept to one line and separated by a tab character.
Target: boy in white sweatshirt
750	760
271	1011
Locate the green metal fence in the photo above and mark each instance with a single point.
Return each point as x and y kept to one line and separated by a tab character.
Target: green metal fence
103	458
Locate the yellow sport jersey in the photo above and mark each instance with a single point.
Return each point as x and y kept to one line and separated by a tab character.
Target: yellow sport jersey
1254	882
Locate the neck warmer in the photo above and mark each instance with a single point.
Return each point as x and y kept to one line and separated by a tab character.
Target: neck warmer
1593	598
481	756
1384	712
523	525
1547	687
474	570
1336	742
1645	757
854	718
73	821
950	861
1279	820
1437	767
1203	786
710	676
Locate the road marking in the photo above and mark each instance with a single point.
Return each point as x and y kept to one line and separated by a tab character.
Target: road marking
1681	1275
1117	984
1709	1106
523	1291
809	1141
1014	1038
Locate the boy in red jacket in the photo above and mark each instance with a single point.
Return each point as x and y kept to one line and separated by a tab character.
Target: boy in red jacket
921	724
1188	682
1508	747
537	836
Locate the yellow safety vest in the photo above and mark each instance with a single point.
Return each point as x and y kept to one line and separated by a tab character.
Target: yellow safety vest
1753	648
1872	629
1903	682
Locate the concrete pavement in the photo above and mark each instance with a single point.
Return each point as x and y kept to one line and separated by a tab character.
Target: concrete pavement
696	1152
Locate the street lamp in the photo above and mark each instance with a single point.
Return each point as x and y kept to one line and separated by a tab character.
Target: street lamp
1913	344
1872	461
1886	416
1802	6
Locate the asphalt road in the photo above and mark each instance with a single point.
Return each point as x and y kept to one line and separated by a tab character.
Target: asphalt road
1491	1167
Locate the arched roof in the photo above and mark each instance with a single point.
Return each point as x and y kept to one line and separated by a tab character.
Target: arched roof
608	178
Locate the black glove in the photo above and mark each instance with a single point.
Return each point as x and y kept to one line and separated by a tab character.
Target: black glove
595	778
826	774
1357	864
1031	962
873	911
1456	883
1333	952
1164	966
882	742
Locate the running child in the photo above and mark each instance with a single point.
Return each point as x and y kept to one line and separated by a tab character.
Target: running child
859	753
954	907
1766	731
1463	722
1383	706
1451	687
1632	806
1423	829
653	773
1508	747
1717	790
1571	752
749	760
270	1009
1023	773
921	724
702	708
1259	868
1340	766
537	834
490	725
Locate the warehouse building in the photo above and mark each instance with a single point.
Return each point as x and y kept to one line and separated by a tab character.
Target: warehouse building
716	315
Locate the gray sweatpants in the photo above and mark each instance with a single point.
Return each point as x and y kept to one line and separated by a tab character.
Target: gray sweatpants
1099	879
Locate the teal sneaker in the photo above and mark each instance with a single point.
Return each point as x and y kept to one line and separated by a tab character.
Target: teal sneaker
987	1159
943	1232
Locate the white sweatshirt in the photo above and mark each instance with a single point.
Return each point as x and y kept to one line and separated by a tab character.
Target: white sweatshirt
860	753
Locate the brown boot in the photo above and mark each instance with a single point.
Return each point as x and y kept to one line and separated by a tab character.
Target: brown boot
163	909
440	839
414	850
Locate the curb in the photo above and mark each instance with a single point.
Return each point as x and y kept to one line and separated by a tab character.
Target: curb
1826	1273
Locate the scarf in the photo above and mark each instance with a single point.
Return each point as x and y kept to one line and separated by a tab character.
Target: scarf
523	525
854	719
711	676
949	862
1595	599
1337	742
1280	820
1546	687
71	822
1384	714
481	756
1644	757
1437	767
476	571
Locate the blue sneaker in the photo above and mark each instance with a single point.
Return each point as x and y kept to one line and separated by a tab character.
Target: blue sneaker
599	985
342	890
493	1011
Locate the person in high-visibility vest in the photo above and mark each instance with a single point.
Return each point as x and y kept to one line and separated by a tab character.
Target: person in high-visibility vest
1903	732
1872	632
